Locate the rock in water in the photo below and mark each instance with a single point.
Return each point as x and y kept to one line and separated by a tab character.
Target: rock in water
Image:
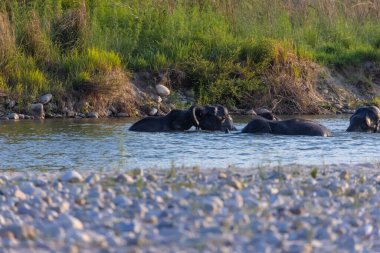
37	110
92	115
46	98
162	90
13	116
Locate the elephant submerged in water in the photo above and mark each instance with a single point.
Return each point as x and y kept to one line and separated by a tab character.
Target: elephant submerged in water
365	119
266	122
209	117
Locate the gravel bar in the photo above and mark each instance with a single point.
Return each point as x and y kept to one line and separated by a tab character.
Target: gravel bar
333	208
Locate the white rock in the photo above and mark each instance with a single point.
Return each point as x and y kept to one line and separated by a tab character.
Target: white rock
69	222
46	98
162	90
71	177
13	116
19	195
153	111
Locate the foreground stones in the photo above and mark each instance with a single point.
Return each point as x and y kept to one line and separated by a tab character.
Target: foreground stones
192	210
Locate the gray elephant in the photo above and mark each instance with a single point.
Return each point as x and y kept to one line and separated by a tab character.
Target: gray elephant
365	119
212	118
265	113
286	127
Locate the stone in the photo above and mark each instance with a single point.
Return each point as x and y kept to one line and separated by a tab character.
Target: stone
162	90
213	204
23	231
19	195
44	99
21	116
222	175
132	226
125	178
122	115
28	117
27	188
14	116
153	111
11	104
67	221
92	115
37	110
92	179
345	175
72	177
235	183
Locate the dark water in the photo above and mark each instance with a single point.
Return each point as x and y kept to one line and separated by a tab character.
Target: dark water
107	144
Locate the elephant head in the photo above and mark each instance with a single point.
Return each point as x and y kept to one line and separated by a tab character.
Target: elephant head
365	119
214	118
265	113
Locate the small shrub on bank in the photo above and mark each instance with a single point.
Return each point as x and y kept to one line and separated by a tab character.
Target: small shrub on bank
70	29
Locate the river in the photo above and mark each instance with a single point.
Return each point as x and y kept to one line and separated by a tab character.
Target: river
106	144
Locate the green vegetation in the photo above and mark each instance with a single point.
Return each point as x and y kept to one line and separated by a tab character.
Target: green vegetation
225	47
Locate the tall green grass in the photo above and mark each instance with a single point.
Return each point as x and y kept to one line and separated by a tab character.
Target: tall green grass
222	45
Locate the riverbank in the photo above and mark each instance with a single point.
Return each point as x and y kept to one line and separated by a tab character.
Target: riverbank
107	57
276	209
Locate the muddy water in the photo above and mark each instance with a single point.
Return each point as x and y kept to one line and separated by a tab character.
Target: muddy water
107	144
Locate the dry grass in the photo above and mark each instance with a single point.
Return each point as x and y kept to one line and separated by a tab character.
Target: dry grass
33	39
71	28
112	89
7	40
292	87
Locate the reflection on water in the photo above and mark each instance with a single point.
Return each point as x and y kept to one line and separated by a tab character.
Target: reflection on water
107	144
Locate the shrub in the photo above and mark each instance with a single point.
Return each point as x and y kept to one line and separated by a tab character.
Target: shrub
70	29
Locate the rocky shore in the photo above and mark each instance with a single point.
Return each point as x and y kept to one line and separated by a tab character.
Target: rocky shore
284	209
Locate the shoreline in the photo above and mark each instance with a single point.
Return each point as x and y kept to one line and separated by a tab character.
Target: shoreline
268	209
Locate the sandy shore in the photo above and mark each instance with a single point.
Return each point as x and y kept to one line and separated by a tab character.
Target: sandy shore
278	209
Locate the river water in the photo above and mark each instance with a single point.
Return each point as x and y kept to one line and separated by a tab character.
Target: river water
105	144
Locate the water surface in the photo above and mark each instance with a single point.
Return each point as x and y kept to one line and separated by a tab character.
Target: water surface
107	144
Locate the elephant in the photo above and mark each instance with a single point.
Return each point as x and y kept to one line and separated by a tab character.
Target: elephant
265	113
175	120
209	117
286	127
365	119
214	118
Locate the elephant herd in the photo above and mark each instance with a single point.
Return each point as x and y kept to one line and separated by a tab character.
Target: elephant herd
217	118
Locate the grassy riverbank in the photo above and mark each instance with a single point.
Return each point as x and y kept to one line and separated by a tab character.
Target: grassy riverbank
239	53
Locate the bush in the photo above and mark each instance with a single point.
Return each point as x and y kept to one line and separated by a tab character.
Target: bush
70	29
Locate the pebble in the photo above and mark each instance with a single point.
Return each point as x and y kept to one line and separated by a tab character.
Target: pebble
133	226
23	231
153	111
69	222
71	176
239	211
